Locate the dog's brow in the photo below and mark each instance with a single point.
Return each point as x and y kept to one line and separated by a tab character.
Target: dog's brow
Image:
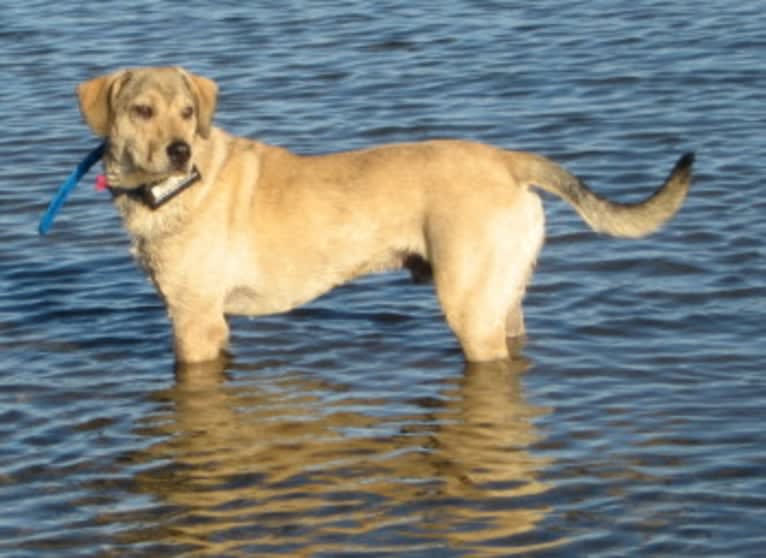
119	86
188	84
171	89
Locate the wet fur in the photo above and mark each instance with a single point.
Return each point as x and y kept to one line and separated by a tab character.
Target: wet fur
266	230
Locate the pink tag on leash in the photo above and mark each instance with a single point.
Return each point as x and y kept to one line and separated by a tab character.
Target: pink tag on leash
101	183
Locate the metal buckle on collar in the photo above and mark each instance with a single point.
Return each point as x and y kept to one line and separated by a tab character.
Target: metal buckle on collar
159	194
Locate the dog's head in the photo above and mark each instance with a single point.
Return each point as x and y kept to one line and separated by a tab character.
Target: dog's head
152	117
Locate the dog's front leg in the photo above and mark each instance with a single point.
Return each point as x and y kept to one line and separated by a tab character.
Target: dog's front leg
200	330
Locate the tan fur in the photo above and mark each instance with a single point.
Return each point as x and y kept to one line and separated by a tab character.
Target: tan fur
266	230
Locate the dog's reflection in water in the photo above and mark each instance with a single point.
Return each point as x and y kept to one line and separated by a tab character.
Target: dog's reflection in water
285	459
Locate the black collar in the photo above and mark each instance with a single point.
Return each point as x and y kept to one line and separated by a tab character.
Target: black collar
158	194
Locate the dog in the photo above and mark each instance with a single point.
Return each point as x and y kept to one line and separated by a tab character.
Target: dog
226	225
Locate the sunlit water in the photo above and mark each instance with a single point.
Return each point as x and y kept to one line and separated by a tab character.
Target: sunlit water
631	423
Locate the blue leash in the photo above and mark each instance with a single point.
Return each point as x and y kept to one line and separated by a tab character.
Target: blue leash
66	188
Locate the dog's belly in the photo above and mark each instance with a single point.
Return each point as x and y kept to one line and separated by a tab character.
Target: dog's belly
248	301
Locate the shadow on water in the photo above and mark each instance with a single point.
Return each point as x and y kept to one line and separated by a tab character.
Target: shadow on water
274	462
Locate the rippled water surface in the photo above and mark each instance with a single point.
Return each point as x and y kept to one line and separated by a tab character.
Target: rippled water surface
632	422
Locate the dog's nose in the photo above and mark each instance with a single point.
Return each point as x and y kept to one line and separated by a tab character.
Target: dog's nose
179	152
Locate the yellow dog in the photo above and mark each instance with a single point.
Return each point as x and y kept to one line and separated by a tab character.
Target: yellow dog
228	225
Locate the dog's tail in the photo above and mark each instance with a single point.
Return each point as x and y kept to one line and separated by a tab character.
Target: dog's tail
617	219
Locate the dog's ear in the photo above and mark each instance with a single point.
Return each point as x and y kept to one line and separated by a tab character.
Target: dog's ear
96	100
205	93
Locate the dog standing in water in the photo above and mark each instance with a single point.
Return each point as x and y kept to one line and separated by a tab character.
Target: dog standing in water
229	225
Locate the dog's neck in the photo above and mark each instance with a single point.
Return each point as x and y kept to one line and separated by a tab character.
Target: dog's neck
151	210
145	223
155	195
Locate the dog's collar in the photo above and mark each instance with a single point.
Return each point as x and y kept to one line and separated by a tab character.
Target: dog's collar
157	194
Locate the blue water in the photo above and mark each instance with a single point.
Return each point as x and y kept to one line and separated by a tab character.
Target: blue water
633	422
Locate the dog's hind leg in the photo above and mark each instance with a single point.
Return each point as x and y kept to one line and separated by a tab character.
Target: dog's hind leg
525	247
478	327
481	279
488	315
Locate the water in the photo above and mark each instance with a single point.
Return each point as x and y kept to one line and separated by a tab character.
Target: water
632	423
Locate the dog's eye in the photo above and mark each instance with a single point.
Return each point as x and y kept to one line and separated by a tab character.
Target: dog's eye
187	113
143	111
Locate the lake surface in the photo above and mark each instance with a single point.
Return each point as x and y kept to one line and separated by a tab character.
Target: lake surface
630	424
